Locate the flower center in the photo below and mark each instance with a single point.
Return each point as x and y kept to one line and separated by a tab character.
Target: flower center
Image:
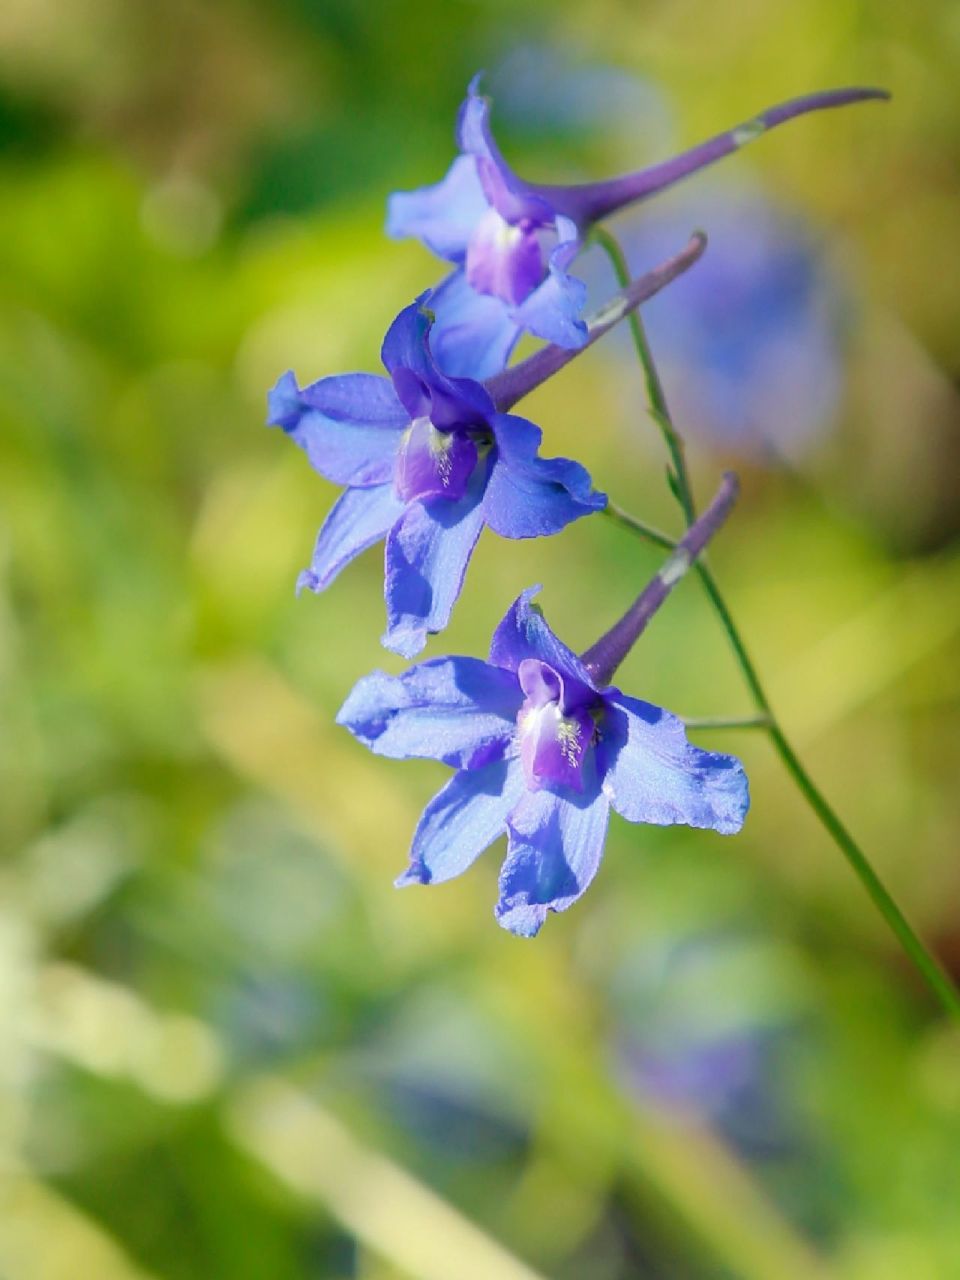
432	463
505	259
553	741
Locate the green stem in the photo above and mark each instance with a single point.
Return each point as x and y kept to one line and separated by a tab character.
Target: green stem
646	531
936	978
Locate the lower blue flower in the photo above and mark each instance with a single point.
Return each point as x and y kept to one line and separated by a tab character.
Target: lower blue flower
542	754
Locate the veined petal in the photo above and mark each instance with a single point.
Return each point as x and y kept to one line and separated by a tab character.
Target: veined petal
473	334
553	310
349	426
458	710
434	464
461	821
524	633
651	773
555	847
359	518
442	216
427	556
529	496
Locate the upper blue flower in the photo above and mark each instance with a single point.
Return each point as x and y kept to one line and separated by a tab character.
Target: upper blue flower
543	747
427	461
513	241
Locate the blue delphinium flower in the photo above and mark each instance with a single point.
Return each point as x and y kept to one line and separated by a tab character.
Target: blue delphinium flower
513	242
755	336
544	745
428	460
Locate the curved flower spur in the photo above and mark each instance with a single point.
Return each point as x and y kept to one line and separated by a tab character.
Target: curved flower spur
429	459
513	242
544	745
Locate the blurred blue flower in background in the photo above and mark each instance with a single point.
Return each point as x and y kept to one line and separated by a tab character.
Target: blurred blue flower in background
752	341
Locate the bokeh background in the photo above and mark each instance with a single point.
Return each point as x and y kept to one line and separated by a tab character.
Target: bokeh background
228	1047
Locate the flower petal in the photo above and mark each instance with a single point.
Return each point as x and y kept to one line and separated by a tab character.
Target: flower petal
359	518
473	334
552	311
503	189
405	346
555	847
434	464
349	426
458	710
529	496
427	555
461	821
651	773
504	260
444	215
524	633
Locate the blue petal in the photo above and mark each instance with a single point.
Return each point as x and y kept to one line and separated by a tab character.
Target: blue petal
524	633
349	426
553	310
427	555
442	216
529	496
359	518
473	334
555	847
651	773
461	821
512	197
420	385
458	710
405	343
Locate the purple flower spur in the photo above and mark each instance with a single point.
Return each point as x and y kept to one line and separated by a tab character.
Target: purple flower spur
513	242
544	745
428	460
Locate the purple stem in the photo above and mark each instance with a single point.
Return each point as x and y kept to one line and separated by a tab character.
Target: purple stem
588	202
513	384
603	658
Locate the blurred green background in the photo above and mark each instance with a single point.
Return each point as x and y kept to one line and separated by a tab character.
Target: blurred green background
228	1047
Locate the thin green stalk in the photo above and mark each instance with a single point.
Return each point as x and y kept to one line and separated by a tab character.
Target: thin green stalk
646	531
934	975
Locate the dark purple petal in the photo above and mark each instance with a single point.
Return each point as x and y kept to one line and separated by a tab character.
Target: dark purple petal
458	710
461	821
358	519
349	426
503	259
427	555
473	335
405	347
651	773
434	464
442	216
523	633
419	384
555	847
529	496
552	743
